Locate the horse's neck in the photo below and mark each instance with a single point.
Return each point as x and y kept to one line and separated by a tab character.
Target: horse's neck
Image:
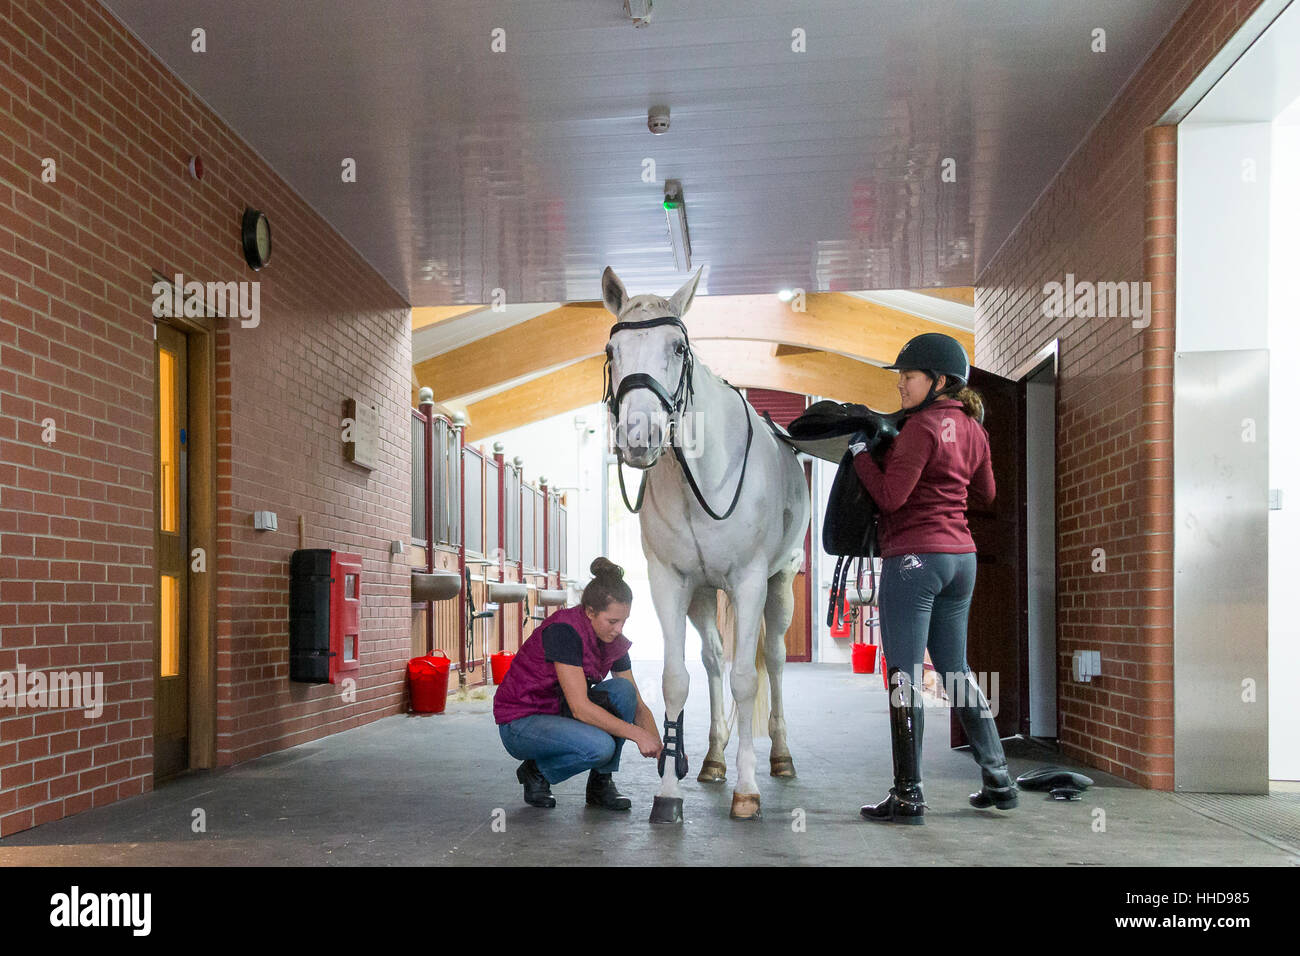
714	442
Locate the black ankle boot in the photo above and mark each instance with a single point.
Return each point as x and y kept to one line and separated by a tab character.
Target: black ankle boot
601	792
537	792
905	803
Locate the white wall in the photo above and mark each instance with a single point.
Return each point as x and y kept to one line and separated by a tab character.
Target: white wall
1223	236
1284	460
1237	258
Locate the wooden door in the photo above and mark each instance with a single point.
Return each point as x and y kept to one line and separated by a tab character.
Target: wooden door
798	637
997	641
171	630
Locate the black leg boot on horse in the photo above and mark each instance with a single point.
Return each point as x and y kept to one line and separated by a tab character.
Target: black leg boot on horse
999	791
905	803
669	809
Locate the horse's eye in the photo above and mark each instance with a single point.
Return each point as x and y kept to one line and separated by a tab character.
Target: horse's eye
680	348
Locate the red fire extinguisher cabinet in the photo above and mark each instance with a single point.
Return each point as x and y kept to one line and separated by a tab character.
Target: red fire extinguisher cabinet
324	615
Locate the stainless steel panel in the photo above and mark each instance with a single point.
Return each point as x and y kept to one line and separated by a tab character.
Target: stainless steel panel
1221	409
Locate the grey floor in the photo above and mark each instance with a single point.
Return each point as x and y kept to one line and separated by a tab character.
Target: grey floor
440	790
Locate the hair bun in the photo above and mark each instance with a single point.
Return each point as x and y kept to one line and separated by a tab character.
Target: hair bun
605	568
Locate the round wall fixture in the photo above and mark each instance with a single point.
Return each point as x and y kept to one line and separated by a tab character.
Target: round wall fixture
658	119
255	233
196	167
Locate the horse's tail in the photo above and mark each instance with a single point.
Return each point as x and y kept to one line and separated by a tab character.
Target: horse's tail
762	696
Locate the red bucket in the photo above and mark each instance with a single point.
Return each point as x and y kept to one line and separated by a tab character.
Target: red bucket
428	677
501	664
864	658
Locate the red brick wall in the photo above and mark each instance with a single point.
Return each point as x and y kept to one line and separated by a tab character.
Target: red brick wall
1108	216
76	345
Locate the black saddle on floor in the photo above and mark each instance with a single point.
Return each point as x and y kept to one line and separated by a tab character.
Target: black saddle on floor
1060	783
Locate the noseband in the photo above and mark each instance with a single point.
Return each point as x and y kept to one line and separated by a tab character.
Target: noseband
673	404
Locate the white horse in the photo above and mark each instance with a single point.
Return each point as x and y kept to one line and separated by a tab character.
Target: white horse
726	508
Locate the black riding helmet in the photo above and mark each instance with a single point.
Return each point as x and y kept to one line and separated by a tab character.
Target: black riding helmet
934	354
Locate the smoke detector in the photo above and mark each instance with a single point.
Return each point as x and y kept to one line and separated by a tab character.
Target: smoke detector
657	121
639	11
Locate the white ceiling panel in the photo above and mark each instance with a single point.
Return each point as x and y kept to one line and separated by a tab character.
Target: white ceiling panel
521	170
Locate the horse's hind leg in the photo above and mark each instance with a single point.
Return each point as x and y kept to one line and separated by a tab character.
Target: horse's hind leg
748	599
778	613
703	613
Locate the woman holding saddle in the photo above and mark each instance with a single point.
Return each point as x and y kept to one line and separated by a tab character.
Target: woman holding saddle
928	568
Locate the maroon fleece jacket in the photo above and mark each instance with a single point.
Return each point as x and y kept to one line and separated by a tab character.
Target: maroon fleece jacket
922	491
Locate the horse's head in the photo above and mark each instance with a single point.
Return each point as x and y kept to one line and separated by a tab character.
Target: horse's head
649	361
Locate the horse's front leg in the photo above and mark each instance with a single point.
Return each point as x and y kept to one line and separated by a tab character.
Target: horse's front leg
703	613
748	600
670	595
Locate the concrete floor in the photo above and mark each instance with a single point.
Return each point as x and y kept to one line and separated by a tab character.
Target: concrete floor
423	790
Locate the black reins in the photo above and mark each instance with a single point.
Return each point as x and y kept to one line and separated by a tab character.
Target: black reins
674	405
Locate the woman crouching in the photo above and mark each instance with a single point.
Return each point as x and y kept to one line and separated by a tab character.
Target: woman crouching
556	711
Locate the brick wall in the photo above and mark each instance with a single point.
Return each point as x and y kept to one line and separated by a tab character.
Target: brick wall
76	346
1108	216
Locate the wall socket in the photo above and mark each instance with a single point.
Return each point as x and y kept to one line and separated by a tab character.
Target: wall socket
1086	665
265	521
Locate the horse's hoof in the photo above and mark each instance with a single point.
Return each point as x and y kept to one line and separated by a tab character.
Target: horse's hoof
744	806
782	766
713	771
666	810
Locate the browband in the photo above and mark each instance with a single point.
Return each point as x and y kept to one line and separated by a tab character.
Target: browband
650	324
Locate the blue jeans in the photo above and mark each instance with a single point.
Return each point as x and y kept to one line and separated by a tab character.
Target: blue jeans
563	746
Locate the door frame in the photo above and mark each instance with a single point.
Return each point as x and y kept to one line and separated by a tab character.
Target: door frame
201	502
1046	357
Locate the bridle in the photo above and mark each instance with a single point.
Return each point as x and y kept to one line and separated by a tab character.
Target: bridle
674	405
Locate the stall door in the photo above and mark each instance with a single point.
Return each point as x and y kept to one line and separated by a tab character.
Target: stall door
998	633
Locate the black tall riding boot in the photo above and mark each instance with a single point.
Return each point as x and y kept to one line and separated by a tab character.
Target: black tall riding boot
986	747
905	803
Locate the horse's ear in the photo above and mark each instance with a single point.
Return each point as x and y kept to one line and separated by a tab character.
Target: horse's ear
611	286
681	300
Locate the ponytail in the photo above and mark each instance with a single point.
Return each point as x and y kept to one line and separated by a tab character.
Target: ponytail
974	404
606	586
971	400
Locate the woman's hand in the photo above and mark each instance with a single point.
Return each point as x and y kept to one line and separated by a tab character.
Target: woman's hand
648	743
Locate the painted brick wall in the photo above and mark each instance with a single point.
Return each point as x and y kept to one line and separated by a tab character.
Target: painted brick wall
1108	217
76	345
